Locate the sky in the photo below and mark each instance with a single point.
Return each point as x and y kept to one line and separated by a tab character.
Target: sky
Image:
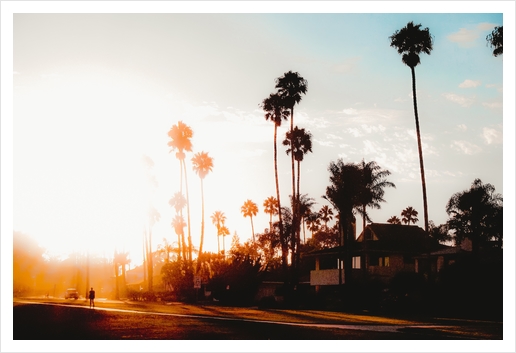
89	88
93	93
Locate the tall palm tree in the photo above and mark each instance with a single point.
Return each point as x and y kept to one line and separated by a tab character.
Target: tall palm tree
372	186
394	220
299	143
202	165
178	201
276	112
218	218
290	87
409	215
249	209
270	206
313	222
412	41
180	140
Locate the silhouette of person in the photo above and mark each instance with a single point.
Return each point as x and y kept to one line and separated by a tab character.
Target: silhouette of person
92	297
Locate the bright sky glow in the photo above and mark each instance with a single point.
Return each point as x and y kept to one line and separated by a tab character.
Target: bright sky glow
92	93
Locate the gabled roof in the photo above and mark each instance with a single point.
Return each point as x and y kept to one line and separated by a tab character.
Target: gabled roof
397	237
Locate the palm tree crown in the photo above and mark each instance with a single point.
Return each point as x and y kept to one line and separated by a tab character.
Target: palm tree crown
411	41
249	209
299	142
275	110
290	87
409	215
180	139
202	164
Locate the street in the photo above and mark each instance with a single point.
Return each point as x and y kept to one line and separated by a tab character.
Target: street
58	319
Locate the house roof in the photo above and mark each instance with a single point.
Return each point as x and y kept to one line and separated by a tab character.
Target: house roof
397	237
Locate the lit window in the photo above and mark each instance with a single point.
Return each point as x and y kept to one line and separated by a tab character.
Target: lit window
356	262
386	261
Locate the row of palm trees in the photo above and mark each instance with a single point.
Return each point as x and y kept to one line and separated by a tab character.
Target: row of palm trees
408	215
279	106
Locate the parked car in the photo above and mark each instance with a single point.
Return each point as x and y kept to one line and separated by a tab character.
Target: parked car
71	293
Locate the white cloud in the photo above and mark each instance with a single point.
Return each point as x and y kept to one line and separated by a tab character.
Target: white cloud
347	66
461	100
492	105
492	136
462	127
372	128
355	132
333	137
466	147
350	111
464	36
470	84
324	143
467	37
484	26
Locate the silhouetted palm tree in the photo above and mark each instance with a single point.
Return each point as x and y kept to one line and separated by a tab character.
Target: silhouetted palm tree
394	220
223	231
178	201
270	206
178	223
476	214
409	215
249	209
412	41
299	143
166	249
325	215
495	40
218	218
180	140
202	165
290	87
305	209
313	222
276	112
373	184
344	196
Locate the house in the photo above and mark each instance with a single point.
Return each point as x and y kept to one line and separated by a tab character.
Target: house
380	252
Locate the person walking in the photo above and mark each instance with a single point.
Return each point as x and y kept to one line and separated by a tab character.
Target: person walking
92	298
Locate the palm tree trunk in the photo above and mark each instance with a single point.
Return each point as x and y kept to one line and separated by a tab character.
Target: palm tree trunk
298	218
284	248
188	215
252	227
294	199
149	261
202	227
144	255
366	253
420	149
117	295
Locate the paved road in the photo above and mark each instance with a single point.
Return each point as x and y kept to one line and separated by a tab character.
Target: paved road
64	320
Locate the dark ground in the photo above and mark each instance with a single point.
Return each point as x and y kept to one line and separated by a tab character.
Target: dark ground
68	322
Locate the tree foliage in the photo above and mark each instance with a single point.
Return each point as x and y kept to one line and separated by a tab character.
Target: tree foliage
495	40
476	214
